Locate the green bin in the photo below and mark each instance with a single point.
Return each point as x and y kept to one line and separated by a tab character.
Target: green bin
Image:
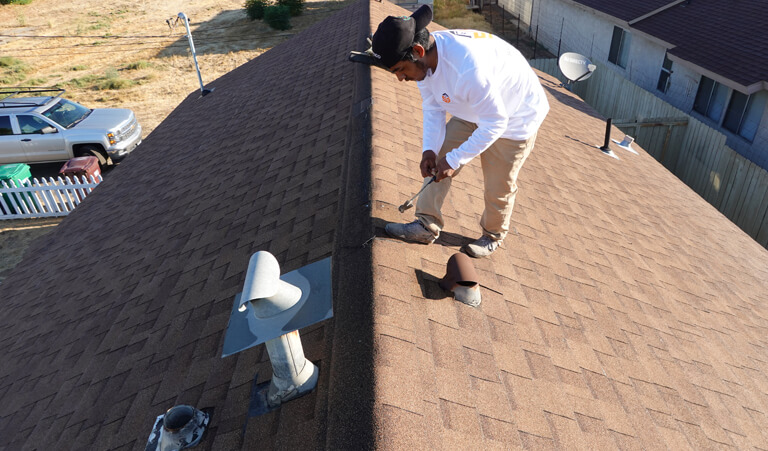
20	174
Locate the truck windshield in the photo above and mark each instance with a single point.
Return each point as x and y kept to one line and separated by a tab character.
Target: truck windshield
67	113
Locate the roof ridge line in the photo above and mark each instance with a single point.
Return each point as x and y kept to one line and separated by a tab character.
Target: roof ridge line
351	387
656	11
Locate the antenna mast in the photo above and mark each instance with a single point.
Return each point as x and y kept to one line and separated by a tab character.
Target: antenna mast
184	17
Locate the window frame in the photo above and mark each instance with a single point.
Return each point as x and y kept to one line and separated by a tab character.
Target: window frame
39	120
742	115
618	53
665	75
731	102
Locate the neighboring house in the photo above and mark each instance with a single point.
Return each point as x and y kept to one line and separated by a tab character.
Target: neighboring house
622	311
705	57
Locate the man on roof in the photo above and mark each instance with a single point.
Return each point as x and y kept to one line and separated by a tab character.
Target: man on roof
496	104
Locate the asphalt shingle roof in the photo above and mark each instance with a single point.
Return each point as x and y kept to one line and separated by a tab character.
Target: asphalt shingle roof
728	40
622	311
625	10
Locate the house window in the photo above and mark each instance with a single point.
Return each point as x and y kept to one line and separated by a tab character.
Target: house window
710	99
744	113
664	76
619	52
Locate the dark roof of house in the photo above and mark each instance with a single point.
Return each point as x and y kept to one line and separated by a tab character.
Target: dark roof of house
120	313
727	39
622	310
625	10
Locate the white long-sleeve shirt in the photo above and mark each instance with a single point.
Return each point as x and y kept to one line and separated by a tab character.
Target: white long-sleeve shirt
482	79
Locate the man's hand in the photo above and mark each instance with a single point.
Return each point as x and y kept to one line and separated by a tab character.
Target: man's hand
428	163
444	170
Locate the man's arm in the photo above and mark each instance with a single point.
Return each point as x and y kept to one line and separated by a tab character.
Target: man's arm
433	118
487	103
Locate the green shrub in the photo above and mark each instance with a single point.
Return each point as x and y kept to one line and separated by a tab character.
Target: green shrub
10	62
295	6
139	65
82	82
278	17
100	83
114	83
16	2
255	8
12	70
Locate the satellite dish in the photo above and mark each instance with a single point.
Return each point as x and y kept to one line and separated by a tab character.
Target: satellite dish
575	67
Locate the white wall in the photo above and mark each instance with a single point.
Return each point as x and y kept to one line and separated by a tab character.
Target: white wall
519	8
582	31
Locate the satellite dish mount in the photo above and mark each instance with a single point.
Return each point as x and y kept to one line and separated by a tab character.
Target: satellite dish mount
574	67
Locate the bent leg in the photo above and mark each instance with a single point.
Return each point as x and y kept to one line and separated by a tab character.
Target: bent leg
501	165
430	202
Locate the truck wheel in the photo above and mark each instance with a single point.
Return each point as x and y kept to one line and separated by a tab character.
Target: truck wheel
88	151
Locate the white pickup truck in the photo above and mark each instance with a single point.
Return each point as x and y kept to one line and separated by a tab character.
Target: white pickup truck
51	128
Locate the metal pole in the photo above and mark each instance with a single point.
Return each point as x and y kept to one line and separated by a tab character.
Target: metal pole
184	17
561	37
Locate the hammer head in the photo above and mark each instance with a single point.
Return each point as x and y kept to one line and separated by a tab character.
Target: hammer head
408	204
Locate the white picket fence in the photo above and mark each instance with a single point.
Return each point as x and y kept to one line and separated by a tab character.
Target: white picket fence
44	198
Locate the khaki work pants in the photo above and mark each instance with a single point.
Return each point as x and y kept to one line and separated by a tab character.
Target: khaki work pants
501	164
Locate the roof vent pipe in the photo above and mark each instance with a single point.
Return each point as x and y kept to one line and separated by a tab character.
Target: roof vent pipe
626	143
179	428
268	295
606	148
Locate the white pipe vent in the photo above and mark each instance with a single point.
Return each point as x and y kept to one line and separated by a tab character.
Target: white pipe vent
270	310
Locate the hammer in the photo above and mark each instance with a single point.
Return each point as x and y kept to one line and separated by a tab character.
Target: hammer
409	203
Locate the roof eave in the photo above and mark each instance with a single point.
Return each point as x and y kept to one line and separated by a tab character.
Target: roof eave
613	19
746	89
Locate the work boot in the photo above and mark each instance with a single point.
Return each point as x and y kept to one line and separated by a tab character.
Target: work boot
482	247
414	232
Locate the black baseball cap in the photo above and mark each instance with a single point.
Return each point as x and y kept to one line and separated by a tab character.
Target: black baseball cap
394	37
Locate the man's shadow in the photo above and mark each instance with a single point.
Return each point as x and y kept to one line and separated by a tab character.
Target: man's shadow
429	283
446	238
